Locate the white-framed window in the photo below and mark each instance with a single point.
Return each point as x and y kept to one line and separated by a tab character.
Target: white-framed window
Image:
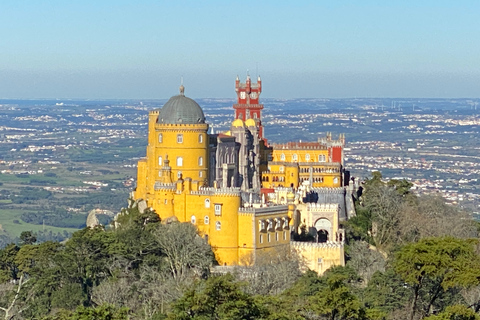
179	138
285	223
321	158
200	138
207	203
284	235
270	224
282	157
282	168
206	220
165	201
295	157
179	174
179	162
276	236
200	174
218	225
307	157
160	138
261	238
200	161
268	237
160	161
193	220
335	180
218	209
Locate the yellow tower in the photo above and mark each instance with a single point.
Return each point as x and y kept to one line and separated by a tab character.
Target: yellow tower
176	132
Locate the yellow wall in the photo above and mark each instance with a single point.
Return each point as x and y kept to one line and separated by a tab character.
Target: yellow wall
320	256
191	149
325	175
301	155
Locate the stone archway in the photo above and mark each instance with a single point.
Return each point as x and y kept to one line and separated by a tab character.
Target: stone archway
324	229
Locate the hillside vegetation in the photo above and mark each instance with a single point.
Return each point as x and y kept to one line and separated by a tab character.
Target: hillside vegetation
409	257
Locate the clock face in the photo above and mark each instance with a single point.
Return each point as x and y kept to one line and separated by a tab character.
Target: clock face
242	95
253	95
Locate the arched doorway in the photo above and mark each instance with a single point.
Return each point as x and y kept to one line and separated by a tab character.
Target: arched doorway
324	229
322	236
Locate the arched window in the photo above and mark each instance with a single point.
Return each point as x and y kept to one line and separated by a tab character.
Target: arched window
200	138
180	138
295	157
207	203
160	161
307	157
206	220
179	162
160	138
282	157
255	115
200	161
335	180
193	220
218	225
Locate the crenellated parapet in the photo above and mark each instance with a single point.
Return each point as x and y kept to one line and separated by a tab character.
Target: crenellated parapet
299	146
164	186
181	127
322	207
340	190
210	191
264	210
317	245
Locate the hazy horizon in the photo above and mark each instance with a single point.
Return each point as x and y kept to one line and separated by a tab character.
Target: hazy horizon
316	49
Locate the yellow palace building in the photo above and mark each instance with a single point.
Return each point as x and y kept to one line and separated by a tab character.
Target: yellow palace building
242	194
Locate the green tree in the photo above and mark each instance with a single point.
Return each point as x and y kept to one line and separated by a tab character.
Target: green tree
102	312
455	312
337	301
28	237
218	298
441	264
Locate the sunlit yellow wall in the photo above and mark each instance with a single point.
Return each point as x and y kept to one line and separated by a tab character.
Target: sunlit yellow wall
266	239
320	257
301	155
194	146
246	238
326	175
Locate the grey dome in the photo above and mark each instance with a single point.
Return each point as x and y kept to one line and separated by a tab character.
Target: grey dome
181	110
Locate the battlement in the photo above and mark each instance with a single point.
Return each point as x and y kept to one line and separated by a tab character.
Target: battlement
323	207
210	191
164	186
250	106
300	146
177	127
317	245
339	190
263	210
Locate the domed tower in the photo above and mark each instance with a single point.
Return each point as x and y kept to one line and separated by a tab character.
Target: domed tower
176	132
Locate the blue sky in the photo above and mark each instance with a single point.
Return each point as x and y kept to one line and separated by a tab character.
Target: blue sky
141	49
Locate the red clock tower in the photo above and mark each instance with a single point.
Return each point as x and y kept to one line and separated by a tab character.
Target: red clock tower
247	106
